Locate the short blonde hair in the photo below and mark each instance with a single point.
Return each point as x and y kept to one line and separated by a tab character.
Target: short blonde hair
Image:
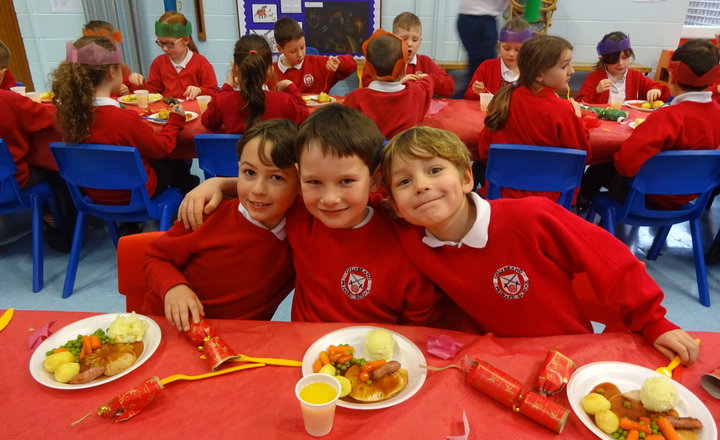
424	143
407	21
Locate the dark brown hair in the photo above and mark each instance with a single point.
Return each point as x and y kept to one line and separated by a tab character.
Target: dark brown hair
383	52
536	55
277	142
614	57
74	87
700	56
407	21
99	25
286	30
5	55
173	17
252	58
341	131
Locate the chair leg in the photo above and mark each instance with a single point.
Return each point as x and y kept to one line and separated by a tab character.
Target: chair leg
37	203
658	243
700	270
74	255
590	215
165	218
113	231
56	212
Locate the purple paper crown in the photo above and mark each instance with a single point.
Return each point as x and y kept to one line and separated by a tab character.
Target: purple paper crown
510	36
610	46
92	54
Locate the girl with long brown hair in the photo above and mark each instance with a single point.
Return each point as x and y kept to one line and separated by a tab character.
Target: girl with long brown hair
181	71
244	100
87	115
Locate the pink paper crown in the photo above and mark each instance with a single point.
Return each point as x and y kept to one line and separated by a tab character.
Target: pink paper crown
92	54
510	36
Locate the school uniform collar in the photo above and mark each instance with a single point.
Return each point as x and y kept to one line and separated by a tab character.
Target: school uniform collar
264	87
182	64
413	60
613	78
102	101
278	231
701	97
283	68
507	73
477	236
386	86
367	218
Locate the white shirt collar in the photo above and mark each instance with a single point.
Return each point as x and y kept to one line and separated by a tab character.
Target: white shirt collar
278	231
477	236
413	60
367	218
386	86
98	102
702	97
182	64
283	67
507	74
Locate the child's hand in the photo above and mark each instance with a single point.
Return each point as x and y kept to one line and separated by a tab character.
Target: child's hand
333	63
576	106
124	90
177	108
136	79
603	86
409	77
282	85
478	87
718	87
181	301
203	199
191	92
678	342
653	95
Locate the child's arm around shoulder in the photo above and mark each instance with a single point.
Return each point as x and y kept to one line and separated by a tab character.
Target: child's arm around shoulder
204	199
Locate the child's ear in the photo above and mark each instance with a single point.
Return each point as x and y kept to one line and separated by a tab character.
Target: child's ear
468	182
375	180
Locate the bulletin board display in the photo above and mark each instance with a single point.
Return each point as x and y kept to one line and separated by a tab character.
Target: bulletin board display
332	27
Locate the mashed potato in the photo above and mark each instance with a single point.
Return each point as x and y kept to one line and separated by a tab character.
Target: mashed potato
127	329
379	344
658	394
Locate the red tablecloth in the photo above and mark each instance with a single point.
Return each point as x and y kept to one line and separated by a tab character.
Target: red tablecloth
260	403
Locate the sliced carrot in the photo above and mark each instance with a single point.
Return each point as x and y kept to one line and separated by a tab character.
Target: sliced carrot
628	425
345	358
372	365
95	342
59	350
364	376
633	434
86	347
340	349
317	366
667	429
654	437
324	357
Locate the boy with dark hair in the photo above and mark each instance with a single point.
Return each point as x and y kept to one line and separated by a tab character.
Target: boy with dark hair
408	27
394	101
6	78
311	73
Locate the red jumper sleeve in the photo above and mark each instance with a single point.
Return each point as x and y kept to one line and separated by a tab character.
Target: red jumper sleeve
212	118
207	81
297	105
647	140
444	84
165	256
153	145
588	91
153	82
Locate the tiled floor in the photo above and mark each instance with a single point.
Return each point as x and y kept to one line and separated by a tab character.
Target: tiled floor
96	285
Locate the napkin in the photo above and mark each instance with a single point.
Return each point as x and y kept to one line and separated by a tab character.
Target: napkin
435	107
443	346
40	335
466	430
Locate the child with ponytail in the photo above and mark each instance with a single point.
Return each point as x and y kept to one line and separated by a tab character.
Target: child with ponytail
87	115
99	28
529	111
181	72
244	100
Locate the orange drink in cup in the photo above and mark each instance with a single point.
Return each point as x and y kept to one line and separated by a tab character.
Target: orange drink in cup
203	102
485	99
616	101
141	97
318	394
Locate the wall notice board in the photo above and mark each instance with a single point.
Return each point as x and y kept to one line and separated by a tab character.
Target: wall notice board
332	27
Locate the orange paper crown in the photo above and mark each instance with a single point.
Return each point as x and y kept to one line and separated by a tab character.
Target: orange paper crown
112	36
399	64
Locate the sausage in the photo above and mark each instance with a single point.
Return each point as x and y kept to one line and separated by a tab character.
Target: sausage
385	369
88	375
685	422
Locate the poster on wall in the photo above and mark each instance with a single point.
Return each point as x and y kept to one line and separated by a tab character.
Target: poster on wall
332	27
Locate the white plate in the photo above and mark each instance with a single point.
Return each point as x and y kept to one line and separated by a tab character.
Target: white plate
193	116
407	353
635	104
86	326
155	98
629	377
312	100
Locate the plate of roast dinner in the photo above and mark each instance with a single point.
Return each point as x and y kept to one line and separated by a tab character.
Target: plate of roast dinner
94	351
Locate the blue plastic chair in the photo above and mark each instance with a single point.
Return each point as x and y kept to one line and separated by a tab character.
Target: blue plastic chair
14	199
108	167
677	172
309	50
217	154
534	168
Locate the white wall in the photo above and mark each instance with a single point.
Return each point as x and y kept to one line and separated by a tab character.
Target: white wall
652	27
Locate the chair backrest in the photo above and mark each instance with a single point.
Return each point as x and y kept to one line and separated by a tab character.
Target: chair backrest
10	193
217	154
676	172
131	275
535	168
103	167
309	50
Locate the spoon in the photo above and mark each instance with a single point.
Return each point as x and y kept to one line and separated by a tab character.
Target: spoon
667	371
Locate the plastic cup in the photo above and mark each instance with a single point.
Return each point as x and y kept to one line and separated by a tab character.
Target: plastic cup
318	417
203	102
35	96
485	99
616	101
141	97
18	89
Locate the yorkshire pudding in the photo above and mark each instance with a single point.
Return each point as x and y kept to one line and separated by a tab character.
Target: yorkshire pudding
381	389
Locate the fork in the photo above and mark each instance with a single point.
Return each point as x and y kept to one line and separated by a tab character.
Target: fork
175	377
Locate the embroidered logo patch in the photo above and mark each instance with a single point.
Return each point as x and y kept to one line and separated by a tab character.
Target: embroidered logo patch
356	282
511	282
308	80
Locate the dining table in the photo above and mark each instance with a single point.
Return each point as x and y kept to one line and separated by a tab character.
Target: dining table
460	116
261	402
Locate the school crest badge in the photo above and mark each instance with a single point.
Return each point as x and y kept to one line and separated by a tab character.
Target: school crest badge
356	282
511	282
308	80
